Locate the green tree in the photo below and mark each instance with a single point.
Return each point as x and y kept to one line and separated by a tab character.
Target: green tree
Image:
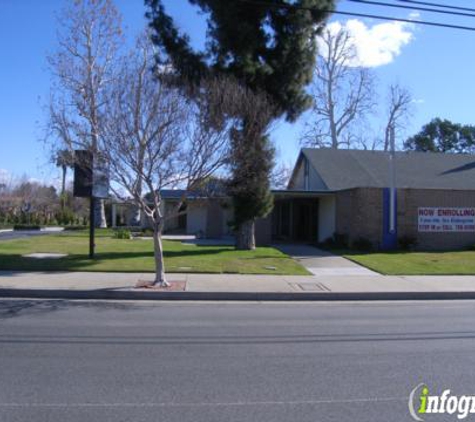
267	46
443	136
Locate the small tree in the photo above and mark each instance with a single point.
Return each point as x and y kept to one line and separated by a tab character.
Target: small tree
157	139
399	108
343	93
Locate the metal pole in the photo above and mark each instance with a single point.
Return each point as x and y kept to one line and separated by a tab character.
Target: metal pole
392	182
91	228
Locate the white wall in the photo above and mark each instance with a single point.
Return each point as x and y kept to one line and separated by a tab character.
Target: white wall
315	182
326	217
196	218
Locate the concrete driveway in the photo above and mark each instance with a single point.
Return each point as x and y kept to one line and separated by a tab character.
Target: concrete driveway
323	263
9	234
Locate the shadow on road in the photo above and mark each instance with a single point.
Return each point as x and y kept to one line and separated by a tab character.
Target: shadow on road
27	307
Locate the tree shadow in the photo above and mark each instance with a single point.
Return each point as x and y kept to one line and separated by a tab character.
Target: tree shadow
34	307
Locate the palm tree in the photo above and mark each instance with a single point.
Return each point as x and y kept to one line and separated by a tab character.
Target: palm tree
64	158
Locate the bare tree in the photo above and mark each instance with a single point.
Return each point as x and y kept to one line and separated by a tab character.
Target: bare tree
157	139
83	66
399	107
343	93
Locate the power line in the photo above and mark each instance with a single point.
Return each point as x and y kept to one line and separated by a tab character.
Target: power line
360	15
388	18
418	8
424	3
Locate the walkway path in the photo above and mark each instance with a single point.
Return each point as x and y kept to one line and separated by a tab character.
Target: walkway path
323	263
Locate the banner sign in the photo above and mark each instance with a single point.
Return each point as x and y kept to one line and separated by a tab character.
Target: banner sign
435	219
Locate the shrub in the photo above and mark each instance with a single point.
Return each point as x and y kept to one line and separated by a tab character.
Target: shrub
362	244
407	243
122	234
146	233
337	241
26	227
65	216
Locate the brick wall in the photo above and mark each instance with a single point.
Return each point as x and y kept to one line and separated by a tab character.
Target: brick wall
408	202
359	213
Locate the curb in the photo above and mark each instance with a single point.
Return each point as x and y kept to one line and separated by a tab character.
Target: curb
230	296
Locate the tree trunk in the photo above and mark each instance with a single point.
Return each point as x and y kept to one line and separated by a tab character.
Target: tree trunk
100	214
245	236
160	279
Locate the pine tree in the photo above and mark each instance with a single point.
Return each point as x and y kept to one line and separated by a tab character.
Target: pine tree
268	46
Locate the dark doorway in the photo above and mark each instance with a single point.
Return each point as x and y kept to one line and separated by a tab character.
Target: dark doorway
295	219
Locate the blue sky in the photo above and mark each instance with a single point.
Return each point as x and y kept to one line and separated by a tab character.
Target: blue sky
436	64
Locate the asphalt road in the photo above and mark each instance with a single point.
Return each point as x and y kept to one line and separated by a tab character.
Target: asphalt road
128	361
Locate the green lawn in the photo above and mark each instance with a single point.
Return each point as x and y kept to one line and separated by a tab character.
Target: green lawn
418	263
137	256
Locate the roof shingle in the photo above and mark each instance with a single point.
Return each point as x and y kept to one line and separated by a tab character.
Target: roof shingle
345	169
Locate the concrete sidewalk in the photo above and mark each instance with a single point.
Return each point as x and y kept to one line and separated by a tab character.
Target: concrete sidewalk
235	286
323	263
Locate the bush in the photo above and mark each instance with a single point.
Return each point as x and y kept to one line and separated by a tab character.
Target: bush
337	241
122	234
407	243
26	227
362	244
65	216
145	233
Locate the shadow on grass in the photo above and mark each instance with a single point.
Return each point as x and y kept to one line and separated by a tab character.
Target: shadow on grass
12	262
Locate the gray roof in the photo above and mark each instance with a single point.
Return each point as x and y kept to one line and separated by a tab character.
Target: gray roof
344	169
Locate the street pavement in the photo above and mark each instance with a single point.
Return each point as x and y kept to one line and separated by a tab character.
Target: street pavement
145	361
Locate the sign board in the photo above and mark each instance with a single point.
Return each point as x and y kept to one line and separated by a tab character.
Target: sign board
91	175
445	219
82	174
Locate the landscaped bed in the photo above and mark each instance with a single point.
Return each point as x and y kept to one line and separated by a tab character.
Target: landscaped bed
417	263
119	255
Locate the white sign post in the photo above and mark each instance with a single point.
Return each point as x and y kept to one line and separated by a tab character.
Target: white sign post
445	219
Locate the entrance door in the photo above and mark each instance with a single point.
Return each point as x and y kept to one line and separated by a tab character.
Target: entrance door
305	220
295	219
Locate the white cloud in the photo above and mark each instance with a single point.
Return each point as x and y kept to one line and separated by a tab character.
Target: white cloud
375	45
